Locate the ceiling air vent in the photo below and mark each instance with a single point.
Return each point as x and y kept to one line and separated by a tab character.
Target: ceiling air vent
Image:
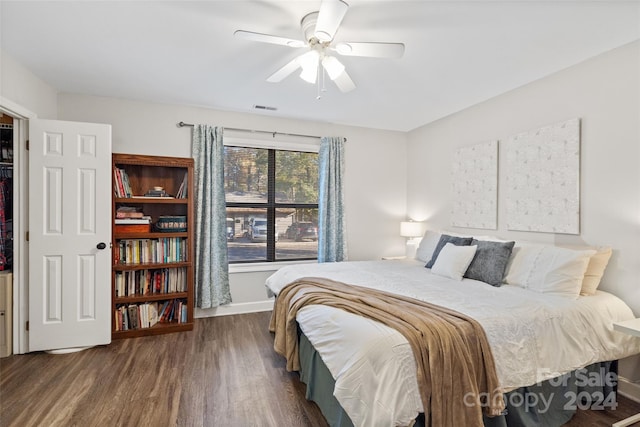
265	107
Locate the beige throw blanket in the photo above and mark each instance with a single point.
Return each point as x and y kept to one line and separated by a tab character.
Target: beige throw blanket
455	367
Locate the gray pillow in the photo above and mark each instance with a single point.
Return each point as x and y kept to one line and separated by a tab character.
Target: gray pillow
490	261
444	239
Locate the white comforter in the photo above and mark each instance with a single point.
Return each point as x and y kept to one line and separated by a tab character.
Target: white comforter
533	336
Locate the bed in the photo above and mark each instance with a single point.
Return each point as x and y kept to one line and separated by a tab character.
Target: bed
535	336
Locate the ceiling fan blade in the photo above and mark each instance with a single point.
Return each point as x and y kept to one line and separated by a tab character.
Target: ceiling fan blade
283	72
344	82
371	49
266	38
329	18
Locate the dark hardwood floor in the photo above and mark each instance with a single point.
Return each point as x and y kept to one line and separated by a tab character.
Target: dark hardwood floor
223	373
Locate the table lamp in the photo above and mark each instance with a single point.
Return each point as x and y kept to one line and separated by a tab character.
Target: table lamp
411	230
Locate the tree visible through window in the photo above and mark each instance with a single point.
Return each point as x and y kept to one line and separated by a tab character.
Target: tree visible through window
272	204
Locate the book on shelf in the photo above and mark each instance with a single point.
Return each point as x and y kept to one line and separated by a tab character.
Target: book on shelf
121	185
152	310
125	318
182	191
132	225
156	193
152	197
133	228
130	221
164	314
133	316
118	188
129	212
141	313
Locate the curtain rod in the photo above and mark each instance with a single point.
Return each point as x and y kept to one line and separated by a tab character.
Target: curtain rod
273	134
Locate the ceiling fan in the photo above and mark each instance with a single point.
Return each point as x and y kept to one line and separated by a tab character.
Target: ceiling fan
319	29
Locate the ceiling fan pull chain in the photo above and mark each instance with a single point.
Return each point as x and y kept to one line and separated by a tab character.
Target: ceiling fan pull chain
321	77
324	76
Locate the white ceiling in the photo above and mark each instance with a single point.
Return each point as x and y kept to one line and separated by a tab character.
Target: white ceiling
182	52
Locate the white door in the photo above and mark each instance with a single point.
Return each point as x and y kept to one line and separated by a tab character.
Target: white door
69	234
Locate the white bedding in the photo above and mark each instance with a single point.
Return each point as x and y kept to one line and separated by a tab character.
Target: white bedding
533	336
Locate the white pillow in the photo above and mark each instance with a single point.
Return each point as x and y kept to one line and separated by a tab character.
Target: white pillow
595	270
548	269
427	245
521	263
453	261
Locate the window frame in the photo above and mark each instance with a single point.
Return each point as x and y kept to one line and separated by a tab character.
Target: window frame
295	144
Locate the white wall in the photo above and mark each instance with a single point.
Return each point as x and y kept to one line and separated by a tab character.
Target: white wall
24	88
605	93
375	168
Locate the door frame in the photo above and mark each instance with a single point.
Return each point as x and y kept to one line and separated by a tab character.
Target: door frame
21	117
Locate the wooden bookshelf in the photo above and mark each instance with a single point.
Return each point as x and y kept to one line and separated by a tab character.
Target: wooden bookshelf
152	268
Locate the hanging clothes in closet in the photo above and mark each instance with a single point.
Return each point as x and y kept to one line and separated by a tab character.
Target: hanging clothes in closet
6	219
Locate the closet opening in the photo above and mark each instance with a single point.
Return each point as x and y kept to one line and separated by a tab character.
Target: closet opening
6	233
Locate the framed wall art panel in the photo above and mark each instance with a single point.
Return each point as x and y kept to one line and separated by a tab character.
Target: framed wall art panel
543	179
475	186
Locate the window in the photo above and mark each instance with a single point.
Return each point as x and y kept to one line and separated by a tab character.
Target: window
272	204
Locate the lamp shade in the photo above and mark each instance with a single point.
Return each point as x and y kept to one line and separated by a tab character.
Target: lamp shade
333	66
410	229
309	63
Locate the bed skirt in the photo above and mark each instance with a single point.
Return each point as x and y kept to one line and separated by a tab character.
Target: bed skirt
548	404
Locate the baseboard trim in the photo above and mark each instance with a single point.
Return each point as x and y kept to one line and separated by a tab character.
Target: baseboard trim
629	389
234	308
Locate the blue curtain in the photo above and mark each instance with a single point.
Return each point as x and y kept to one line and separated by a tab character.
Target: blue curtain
331	220
211	264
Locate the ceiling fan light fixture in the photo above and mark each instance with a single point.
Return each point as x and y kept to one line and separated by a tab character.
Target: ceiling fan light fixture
333	67
309	75
309	63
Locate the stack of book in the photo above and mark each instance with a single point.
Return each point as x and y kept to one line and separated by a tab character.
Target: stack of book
130	220
156	192
128	212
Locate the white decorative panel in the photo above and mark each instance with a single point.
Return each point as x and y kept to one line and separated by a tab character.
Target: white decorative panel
475	186
53	144
52	287
86	145
52	201
543	179
86	287
86	201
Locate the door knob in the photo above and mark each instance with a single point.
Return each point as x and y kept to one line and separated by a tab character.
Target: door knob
101	245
